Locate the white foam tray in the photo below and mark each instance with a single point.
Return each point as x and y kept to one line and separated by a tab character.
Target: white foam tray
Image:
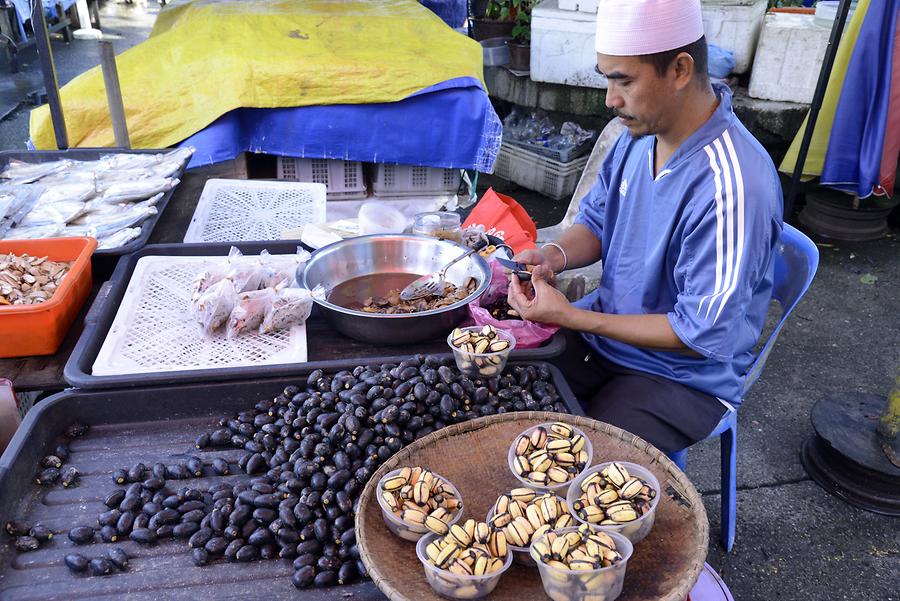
153	331
247	210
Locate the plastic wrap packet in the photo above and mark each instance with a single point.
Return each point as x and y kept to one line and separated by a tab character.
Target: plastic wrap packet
15	203
33	233
57	213
215	306
70	191
105	225
121	161
21	172
247	273
249	312
119	239
172	162
95	209
128	191
290	307
281	270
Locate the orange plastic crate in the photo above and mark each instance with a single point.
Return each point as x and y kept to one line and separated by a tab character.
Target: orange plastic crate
40	329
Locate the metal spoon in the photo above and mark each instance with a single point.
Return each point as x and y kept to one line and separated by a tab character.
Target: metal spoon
434	284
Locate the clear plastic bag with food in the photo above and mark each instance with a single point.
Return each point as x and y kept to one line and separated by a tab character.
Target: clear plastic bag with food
281	270
215	305
249	312
107	224
52	214
247	273
119	239
34	233
20	172
290	307
204	281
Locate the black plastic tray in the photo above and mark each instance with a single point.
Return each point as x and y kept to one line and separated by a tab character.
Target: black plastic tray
127	426
327	347
104	261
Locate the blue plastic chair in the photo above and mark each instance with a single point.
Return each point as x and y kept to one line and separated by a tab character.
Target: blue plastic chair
796	259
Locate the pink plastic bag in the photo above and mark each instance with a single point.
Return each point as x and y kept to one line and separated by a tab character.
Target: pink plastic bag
528	334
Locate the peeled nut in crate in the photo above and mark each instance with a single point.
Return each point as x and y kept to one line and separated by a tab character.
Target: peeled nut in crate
465	563
581	563
27	280
616	496
481	351
550	456
415	501
523	515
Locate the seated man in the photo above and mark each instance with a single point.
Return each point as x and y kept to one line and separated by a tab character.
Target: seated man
685	214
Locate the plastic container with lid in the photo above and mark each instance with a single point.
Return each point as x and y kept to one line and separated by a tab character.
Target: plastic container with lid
444	225
380	218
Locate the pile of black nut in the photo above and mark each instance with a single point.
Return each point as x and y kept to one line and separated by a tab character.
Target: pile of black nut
309	452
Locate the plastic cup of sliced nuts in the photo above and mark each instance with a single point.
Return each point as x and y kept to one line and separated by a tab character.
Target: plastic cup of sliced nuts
581	564
481	351
465	563
550	456
618	497
523	514
415	501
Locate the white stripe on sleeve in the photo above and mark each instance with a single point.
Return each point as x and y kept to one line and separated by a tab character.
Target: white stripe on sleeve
718	180
739	188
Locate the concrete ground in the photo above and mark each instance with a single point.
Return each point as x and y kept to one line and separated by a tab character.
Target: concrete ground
123	24
794	541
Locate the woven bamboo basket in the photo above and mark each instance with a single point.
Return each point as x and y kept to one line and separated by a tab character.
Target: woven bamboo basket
472	455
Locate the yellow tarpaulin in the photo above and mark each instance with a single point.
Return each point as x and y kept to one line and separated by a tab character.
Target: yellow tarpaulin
815	159
205	58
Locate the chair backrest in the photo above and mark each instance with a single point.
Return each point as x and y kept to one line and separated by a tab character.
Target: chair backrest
796	260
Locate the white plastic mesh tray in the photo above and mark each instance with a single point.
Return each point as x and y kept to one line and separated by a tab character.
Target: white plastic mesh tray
153	332
241	210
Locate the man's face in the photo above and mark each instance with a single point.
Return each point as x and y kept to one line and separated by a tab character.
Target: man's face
637	94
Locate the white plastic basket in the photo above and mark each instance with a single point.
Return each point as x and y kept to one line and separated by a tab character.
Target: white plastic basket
153	331
413	180
232	210
535	172
343	179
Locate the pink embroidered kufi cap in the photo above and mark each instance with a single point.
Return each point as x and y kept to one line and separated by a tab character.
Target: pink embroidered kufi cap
635	27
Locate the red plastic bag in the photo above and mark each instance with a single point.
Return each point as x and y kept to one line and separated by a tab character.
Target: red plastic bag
503	217
528	334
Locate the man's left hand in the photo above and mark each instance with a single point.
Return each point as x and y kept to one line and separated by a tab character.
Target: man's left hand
547	305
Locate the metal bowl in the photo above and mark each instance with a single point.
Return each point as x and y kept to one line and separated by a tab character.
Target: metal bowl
392	253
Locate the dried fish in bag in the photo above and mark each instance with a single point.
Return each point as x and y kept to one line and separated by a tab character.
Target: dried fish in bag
249	312
128	191
172	162
118	239
78	191
215	306
15	203
106	225
23	173
50	214
203	281
290	307
34	233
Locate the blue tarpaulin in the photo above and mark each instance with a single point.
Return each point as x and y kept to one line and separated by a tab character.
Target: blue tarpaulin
451	124
453	12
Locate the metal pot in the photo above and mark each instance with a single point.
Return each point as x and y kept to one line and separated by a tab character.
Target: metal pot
392	253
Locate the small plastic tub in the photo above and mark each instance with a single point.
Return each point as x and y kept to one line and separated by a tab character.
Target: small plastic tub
482	365
638	529
455	586
405	530
521	555
380	218
40	329
580	585
561	488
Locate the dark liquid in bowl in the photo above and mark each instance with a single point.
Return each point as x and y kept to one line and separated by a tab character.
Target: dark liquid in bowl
354	292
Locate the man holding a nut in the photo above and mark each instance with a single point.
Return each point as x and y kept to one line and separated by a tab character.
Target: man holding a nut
685	214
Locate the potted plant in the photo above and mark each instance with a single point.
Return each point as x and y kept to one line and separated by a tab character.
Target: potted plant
498	21
520	45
